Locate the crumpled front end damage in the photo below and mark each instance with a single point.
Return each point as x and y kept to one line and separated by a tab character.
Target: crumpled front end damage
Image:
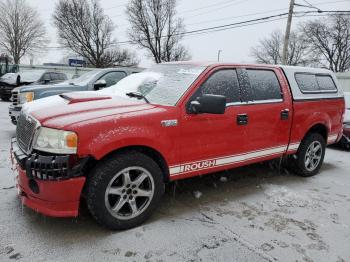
48	195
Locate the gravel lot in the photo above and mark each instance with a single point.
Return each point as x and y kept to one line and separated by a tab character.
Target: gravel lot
255	213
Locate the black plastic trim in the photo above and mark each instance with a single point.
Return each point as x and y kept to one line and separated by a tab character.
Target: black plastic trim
48	167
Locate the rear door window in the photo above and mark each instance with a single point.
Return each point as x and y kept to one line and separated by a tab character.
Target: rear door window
61	76
263	85
223	82
53	76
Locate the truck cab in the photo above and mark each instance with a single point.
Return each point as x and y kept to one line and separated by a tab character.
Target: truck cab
119	146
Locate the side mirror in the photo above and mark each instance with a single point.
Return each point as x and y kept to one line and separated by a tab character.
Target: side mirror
210	104
100	84
47	80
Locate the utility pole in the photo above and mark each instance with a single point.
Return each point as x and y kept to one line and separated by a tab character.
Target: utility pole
287	34
219	52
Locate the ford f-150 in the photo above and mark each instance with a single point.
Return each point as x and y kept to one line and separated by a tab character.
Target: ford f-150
175	120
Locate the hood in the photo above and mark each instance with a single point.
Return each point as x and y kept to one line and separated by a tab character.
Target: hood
62	111
33	88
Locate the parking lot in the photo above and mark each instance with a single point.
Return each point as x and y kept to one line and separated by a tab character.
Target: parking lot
256	213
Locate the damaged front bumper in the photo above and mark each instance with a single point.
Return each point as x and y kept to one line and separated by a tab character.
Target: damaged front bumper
50	185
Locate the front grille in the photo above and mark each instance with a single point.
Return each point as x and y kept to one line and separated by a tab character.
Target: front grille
25	131
15	98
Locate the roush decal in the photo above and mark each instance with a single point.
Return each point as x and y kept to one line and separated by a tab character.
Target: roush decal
225	160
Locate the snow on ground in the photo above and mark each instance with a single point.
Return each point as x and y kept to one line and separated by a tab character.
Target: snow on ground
252	214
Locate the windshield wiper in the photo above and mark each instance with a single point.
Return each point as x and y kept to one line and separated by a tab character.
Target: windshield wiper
138	95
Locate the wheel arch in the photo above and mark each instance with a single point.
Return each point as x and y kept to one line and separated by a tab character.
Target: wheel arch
150	152
319	128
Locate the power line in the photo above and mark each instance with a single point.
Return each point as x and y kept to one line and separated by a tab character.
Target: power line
213	5
240	24
225	5
228	26
249	14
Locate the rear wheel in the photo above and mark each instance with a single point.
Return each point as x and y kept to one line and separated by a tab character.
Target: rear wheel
309	158
124	189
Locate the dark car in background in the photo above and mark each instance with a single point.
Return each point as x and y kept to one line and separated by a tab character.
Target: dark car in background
93	80
10	81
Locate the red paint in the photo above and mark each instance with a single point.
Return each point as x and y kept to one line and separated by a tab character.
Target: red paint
56	198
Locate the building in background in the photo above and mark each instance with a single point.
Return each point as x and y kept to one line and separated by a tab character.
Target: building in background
344	80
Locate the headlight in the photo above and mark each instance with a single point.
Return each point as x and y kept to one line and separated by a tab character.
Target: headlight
26	97
56	141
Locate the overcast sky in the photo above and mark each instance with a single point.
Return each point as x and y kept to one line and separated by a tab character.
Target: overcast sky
234	43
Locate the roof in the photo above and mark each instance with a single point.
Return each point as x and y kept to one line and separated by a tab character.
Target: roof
284	67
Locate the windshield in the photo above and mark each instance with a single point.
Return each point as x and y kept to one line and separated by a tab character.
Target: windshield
9	76
162	84
31	76
83	79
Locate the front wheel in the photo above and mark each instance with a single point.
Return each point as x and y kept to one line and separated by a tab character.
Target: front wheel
309	158
124	189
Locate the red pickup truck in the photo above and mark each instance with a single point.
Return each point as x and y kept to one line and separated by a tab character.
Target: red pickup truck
118	147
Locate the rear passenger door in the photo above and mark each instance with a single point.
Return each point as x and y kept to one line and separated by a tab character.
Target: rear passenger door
268	110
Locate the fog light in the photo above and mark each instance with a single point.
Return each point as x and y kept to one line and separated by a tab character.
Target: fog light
33	185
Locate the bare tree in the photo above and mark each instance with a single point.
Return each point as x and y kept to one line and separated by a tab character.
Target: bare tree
87	31
21	30
154	27
269	50
330	40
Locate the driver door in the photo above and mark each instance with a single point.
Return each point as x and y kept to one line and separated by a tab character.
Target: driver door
213	136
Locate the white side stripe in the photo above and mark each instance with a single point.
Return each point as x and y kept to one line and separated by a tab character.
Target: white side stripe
293	147
227	160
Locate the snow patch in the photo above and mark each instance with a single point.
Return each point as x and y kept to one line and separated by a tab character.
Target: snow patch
284	197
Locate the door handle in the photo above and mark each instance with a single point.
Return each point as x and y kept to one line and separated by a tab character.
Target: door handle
242	119
284	114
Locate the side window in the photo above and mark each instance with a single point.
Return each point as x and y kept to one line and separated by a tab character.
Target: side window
264	85
53	76
315	83
223	82
112	78
325	82
46	76
306	82
61	76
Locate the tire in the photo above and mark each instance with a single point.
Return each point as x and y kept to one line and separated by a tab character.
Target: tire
115	201
306	163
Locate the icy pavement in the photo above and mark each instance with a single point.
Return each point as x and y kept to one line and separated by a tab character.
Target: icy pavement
253	214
